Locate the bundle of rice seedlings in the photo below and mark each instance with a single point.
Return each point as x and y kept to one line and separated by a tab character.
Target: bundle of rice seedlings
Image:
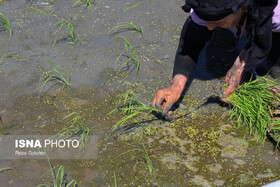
253	106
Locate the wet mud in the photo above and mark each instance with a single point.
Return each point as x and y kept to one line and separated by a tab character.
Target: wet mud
200	148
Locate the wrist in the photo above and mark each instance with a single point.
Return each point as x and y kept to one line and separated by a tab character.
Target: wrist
179	83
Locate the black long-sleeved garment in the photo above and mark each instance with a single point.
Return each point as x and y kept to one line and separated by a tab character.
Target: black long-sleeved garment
192	40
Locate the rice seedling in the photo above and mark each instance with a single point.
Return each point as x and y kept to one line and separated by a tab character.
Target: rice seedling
58	177
252	106
55	76
127	8
4	21
142	159
131	107
42	12
5	169
77	127
75	37
126	26
14	56
274	131
147	158
115	180
136	5
132	55
86	3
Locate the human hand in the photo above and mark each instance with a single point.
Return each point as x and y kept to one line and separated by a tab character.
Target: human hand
165	98
234	75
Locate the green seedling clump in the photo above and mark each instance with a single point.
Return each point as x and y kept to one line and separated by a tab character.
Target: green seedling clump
86	3
126	26
55	76
132	109
58	177
77	127
144	156
4	21
253	103
132	54
74	36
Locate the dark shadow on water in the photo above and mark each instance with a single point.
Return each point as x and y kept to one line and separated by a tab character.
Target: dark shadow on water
131	127
130	64
218	55
273	141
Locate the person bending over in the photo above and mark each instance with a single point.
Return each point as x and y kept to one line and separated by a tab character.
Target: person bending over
258	19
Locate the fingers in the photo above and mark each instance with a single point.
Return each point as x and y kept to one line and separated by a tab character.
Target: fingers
228	75
154	101
158	100
225	100
167	106
163	101
159	103
229	90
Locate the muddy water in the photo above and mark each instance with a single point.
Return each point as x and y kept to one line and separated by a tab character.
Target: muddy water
200	148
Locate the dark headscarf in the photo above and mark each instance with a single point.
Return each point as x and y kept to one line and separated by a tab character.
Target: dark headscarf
212	10
259	22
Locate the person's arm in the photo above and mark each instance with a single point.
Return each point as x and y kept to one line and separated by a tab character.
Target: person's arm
234	75
259	34
192	40
165	98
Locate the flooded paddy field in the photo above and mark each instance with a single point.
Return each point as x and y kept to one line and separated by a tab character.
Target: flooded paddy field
201	147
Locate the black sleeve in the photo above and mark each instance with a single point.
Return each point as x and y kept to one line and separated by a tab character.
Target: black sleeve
259	31
192	40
